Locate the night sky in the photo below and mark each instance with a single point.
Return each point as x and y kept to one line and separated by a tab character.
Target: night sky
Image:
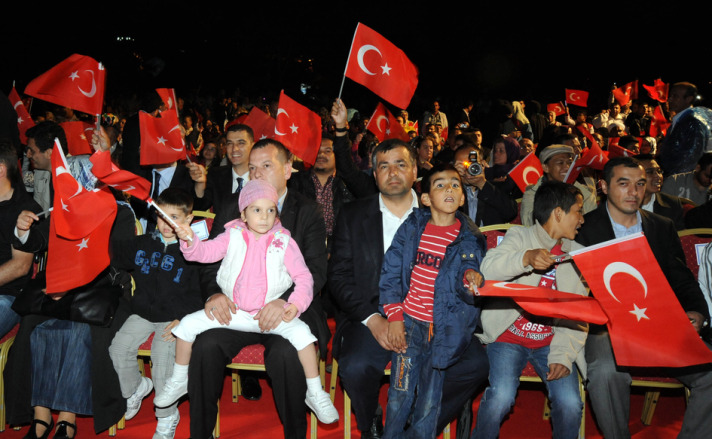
463	50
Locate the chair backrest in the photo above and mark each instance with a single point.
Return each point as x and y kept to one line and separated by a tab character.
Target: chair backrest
208	216
693	241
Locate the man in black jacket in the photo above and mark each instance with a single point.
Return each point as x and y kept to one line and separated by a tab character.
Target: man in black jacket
608	384
656	201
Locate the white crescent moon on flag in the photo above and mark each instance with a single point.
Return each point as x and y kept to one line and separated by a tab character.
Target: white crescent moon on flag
593	159
512	286
378	122
528	170
572	96
177	127
361	52
17	104
92	92
622	267
279	111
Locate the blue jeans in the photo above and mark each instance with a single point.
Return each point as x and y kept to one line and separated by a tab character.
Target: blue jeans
410	373
8	317
61	366
507	361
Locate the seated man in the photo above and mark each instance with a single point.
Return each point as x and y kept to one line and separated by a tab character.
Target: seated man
555	161
609	384
656	201
513	337
694	185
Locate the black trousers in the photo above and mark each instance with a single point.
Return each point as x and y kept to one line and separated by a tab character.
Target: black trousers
214	349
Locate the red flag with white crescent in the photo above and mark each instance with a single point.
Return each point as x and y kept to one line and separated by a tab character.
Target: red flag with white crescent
78	135
380	66
108	173
161	138
261	123
168	96
24	121
577	97
527	172
557	108
298	128
658	91
384	125
647	324
78	82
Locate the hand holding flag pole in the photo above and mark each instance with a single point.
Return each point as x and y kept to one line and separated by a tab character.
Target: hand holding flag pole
165	216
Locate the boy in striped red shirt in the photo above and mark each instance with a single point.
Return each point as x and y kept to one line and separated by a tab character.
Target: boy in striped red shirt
428	278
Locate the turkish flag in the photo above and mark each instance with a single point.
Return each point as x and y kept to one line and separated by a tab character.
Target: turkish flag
615	150
593	157
546	302
577	97
108	173
625	93
377	64
383	125
24	121
78	134
77	82
557	108
659	124
261	123
647	325
658	91
298	128
76	211
75	262
168	96
161	138
527	172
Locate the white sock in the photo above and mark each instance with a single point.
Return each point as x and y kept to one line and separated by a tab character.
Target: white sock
180	372
314	385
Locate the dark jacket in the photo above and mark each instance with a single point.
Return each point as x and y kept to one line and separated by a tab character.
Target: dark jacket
494	204
218	190
9	211
665	244
358	182
455	311
685	143
670	206
167	286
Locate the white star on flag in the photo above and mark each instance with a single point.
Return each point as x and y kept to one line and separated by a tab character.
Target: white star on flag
386	70
294	128
544	283
639	312
84	244
64	206
388	131
19	120
162	140
74	75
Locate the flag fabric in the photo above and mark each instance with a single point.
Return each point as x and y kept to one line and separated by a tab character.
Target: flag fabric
168	96
261	123
24	121
76	211
380	66
615	150
527	171
543	301
298	128
108	173
77	82
78	135
161	138
72	263
411	126
647	325
659	124
557	108
625	93
383	125
577	97
594	157
658	91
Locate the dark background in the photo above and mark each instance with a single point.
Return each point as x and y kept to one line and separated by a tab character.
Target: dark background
463	50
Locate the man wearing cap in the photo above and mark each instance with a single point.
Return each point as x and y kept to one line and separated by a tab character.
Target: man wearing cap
555	161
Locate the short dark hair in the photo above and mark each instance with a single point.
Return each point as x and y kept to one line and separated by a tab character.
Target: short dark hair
553	194
44	134
425	183
627	162
283	151
690	88
390	144
705	160
8	157
176	197
241	127
626	141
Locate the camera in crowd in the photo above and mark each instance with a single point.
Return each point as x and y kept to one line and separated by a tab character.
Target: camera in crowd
473	165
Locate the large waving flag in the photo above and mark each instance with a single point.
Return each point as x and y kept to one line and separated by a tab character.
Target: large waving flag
647	324
383	68
24	121
77	82
658	91
625	93
161	138
107	172
298	128
527	172
384	125
557	108
577	97
261	123
78	137
168	96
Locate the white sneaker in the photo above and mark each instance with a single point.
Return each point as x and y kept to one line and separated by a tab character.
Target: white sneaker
133	403
166	428
172	390
322	407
